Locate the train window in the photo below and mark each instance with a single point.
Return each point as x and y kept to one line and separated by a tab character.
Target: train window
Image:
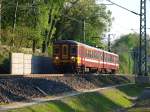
111	59
91	54
73	50
101	56
88	53
56	49
106	58
95	55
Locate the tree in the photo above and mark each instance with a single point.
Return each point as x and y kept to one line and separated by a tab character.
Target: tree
18	16
97	21
126	47
54	10
52	20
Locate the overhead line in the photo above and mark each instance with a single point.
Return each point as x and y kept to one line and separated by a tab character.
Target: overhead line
123	7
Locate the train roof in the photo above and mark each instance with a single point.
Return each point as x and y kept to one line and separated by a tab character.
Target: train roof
66	41
75	42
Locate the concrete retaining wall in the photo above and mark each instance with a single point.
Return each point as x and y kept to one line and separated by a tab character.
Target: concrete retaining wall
23	64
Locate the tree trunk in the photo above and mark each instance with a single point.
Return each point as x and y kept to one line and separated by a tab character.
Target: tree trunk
33	46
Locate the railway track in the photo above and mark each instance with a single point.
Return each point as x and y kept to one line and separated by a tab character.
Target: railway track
31	75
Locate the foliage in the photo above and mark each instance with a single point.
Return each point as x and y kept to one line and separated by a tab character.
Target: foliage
33	18
23	36
139	109
37	23
126	47
97	21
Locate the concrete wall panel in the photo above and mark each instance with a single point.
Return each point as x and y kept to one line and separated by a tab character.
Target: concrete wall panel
25	64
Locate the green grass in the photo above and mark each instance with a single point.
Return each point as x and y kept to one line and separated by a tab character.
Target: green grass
141	106
103	101
132	90
139	110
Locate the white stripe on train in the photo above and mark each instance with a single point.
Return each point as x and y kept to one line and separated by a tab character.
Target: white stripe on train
95	61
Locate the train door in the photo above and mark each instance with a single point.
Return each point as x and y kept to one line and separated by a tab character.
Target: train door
65	51
101	59
82	54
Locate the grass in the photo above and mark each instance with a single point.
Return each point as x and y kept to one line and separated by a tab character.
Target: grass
140	109
141	106
132	90
102	101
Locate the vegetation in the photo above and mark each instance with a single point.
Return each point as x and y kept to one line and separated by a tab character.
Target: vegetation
103	101
141	109
127	47
36	24
141	106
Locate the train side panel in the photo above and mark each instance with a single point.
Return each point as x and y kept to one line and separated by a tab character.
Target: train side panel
110	62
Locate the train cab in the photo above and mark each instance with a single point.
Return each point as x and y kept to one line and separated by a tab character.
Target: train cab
65	54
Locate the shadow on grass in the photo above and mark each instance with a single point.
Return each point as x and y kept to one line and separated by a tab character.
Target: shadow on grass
53	106
132	90
89	102
92	102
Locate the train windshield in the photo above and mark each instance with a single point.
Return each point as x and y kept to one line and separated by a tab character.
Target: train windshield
73	50
56	50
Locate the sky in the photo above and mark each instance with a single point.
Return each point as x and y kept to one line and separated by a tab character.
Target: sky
126	21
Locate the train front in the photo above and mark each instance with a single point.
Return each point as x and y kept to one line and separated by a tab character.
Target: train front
65	54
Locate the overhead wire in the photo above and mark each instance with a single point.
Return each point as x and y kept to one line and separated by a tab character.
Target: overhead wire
123	7
80	21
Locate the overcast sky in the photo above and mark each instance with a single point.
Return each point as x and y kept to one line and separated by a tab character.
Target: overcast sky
124	20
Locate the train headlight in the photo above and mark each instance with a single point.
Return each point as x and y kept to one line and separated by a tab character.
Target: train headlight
73	58
56	57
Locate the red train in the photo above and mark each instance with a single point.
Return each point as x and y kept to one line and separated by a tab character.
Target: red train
72	56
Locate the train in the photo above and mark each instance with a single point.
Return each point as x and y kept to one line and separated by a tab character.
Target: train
75	57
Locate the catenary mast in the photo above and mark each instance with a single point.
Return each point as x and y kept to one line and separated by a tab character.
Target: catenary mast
143	41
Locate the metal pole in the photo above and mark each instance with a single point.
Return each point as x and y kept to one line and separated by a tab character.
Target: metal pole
143	39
